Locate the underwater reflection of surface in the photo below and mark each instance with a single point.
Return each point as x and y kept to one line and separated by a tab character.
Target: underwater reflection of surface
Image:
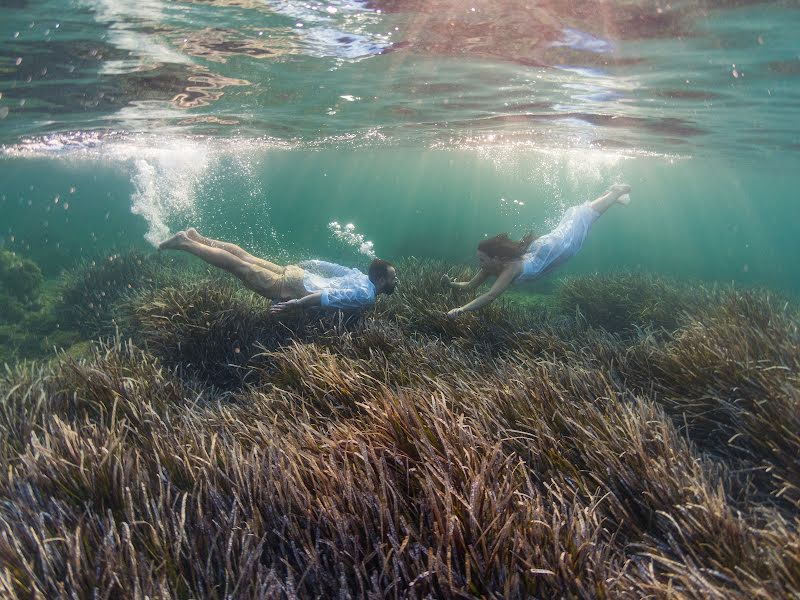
205	88
218	45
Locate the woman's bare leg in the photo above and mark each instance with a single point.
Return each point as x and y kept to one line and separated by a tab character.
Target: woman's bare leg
214	256
237	251
614	194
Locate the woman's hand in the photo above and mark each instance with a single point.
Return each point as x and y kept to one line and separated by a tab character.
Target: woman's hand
283	306
446	281
454	313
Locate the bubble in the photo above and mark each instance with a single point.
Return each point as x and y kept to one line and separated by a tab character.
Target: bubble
165	184
348	236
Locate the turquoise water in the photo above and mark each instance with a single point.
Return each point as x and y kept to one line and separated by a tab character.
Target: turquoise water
426	125
625	428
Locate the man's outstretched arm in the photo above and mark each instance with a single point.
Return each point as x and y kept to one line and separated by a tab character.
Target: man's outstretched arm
314	299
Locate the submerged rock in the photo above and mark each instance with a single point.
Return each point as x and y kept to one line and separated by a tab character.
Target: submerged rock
20	279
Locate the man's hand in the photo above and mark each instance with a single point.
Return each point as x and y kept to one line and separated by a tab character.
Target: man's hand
283	306
454	313
446	281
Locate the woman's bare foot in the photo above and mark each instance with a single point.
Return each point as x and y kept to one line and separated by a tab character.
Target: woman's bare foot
176	242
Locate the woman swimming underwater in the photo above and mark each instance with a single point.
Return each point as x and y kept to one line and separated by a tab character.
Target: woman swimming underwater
531	257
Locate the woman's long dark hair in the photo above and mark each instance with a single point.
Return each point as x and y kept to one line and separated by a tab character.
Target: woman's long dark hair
504	248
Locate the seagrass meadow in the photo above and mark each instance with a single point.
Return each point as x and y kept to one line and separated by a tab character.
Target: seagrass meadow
624	436
627	426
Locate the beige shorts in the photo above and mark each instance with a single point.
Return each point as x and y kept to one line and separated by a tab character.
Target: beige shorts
280	283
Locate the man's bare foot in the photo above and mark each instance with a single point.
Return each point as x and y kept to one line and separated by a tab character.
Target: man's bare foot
176	242
196	236
621	191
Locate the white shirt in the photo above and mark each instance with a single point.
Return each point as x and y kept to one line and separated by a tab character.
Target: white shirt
341	287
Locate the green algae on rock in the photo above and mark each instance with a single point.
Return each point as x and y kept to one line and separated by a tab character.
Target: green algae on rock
20	279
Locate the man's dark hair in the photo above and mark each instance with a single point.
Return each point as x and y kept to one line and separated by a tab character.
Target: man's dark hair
503	247
377	269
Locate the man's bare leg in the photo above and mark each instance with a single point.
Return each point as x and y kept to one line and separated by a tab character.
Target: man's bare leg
616	193
237	251
214	256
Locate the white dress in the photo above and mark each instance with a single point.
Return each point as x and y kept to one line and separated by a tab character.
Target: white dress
550	251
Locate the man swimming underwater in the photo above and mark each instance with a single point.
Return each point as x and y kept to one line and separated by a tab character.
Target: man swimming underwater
531	257
309	283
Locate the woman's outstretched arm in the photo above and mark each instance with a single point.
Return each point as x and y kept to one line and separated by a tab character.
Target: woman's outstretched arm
501	285
479	278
